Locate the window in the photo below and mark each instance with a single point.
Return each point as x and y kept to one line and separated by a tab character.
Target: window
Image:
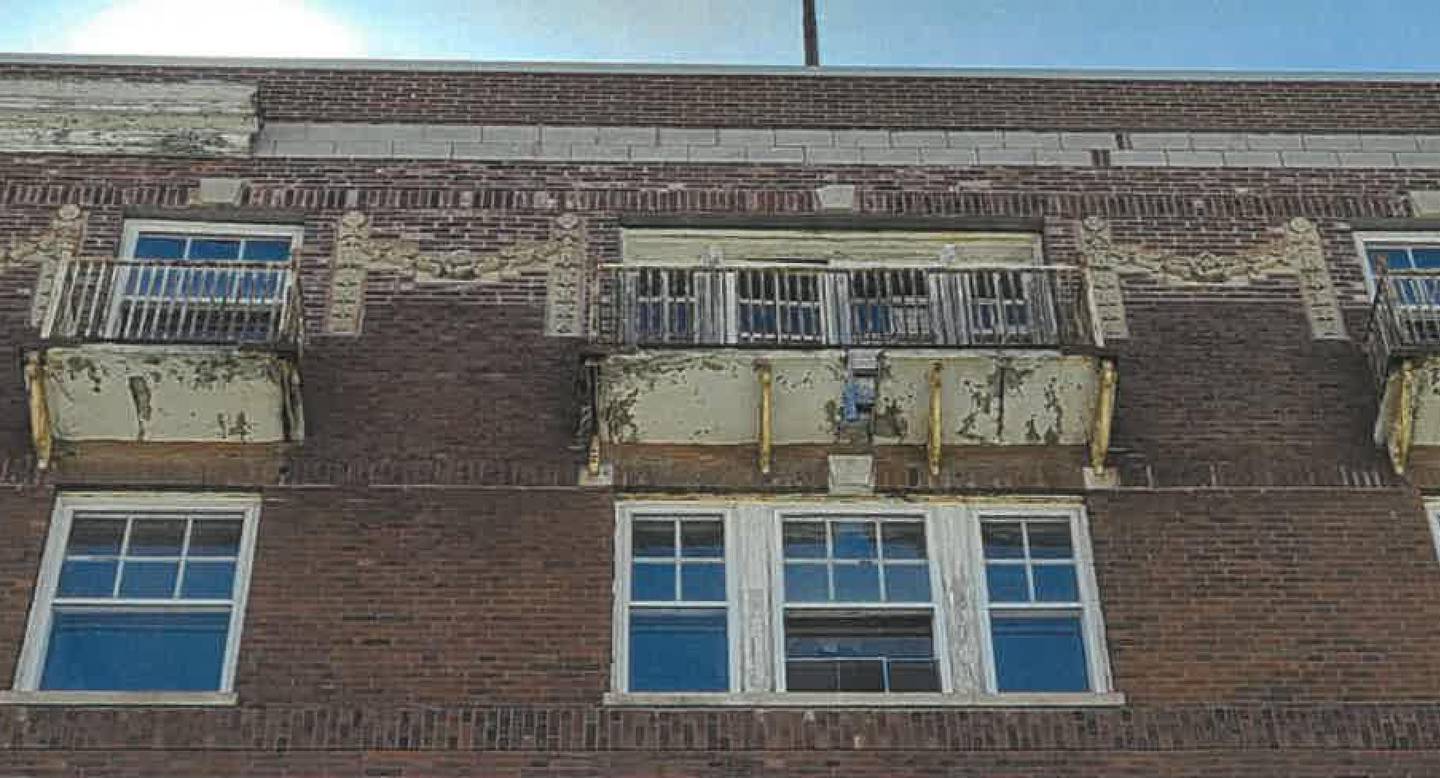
140	593
1036	615
774	603
181	280
677	608
1411	259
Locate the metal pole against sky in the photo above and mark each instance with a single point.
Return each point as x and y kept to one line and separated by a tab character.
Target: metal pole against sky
812	36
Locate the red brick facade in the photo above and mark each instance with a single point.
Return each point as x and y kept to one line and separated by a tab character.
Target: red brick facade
432	591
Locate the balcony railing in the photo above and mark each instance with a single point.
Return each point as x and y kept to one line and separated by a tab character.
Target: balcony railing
1036	307
174	302
1404	317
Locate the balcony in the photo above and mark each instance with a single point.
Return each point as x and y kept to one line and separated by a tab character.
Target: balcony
1402	342
166	352
1033	307
848	360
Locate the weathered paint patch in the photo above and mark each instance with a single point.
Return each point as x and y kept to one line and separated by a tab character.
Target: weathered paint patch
149	393
712	397
994	399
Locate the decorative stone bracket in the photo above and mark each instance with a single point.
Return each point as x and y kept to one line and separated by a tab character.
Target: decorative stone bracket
562	257
1298	251
46	250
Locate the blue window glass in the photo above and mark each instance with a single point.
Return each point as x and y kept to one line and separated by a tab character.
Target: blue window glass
679	651
135	651
903	539
95	537
702	539
806	583
215	538
149	580
214	249
208	580
804	540
151	537
267	250
907	583
702	582
1039	654
1427	258
1003	541
87	578
152	246
653	539
1049	540
653	582
857	582
1055	583
853	540
1006	583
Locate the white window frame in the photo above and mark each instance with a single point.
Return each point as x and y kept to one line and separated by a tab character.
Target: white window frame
130	234
1432	517
754	579
32	656
1365	240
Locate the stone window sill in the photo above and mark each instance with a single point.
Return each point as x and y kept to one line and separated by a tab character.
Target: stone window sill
865	700
136	699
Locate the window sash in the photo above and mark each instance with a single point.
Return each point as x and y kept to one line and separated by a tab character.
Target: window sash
68	507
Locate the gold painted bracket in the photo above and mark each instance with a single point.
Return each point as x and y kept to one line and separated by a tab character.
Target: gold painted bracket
766	373
39	410
1401	424
1104	415
935	439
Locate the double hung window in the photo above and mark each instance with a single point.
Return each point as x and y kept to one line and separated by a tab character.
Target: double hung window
768	602
140	594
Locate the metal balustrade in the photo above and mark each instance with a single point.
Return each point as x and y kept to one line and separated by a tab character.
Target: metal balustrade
174	302
1404	317
1045	307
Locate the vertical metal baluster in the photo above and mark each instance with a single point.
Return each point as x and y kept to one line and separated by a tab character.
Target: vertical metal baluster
98	276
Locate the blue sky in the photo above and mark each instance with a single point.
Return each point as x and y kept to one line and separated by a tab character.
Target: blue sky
1249	34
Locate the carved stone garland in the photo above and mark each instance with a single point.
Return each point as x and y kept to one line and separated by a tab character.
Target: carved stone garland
1298	251
561	257
58	243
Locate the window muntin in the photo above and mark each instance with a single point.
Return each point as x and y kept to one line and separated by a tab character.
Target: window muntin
678	605
1036	613
140	595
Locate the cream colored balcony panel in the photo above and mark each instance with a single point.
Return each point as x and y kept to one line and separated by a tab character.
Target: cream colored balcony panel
218	394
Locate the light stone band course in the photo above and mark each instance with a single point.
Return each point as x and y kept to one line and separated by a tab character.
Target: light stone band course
848	147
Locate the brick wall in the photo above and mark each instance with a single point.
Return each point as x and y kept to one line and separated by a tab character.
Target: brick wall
432	593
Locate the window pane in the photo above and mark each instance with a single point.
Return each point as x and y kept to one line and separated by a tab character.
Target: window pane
702	539
215	538
136	651
907	583
156	537
653	582
854	539
1003	541
806	583
158	247
87	579
857	653
903	539
267	250
857	582
1006	583
702	582
149	579
1044	654
1426	258
653	538
1055	583
1050	540
95	537
678	651
1390	259
804	540
214	248
208	580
